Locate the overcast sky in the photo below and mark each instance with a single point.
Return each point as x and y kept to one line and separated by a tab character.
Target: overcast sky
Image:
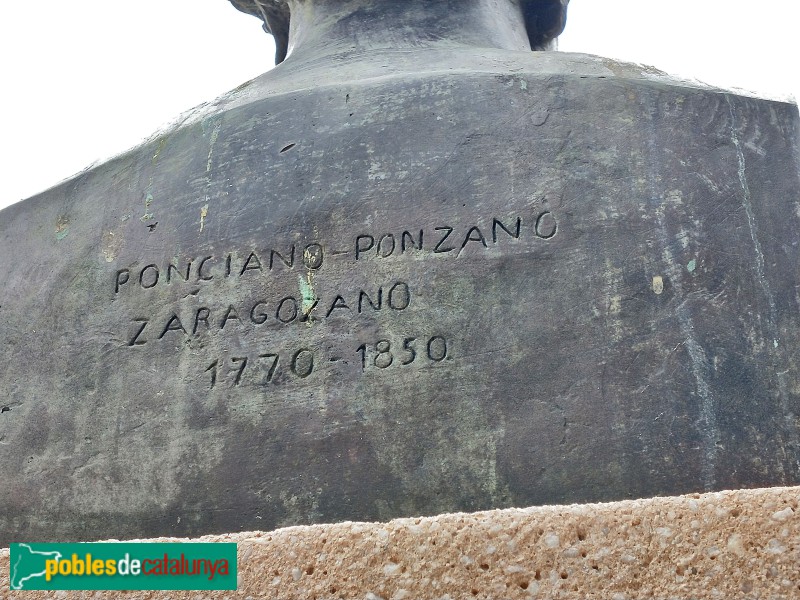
87	79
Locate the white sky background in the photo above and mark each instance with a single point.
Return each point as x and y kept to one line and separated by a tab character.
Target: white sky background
84	80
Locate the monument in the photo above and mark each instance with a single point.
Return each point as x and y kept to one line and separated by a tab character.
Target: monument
416	268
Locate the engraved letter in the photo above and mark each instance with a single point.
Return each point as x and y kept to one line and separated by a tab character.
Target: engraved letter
338	303
174	324
251	263
288	315
200	276
470	237
231	315
385	250
288	262
407	235
155	276
360	249
496	223
546	226
202	315
123	275
260	317
135	341
306	316
438	249
399	296
362	295
171	268
313	256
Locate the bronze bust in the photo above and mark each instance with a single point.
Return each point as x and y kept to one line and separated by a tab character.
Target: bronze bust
544	19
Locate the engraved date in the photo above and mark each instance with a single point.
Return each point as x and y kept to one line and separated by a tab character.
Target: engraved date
262	369
382	354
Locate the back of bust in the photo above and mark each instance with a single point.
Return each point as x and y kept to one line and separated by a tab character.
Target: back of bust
415	268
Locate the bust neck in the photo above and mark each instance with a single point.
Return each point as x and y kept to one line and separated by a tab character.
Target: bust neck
324	27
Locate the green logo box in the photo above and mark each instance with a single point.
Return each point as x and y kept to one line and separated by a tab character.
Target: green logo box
123	566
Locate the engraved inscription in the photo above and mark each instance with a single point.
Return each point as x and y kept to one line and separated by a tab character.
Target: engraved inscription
382	354
250	297
395	297
261	369
230	265
439	239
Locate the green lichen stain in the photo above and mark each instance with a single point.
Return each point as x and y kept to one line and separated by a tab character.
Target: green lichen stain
307	293
62	228
161	143
209	124
214	135
691	266
148	201
203	215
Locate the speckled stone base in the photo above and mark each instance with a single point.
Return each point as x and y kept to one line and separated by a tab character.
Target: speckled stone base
739	544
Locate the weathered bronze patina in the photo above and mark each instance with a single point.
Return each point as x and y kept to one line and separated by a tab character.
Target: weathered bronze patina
415	268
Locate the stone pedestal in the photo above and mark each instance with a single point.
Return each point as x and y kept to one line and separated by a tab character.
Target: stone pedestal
740	544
